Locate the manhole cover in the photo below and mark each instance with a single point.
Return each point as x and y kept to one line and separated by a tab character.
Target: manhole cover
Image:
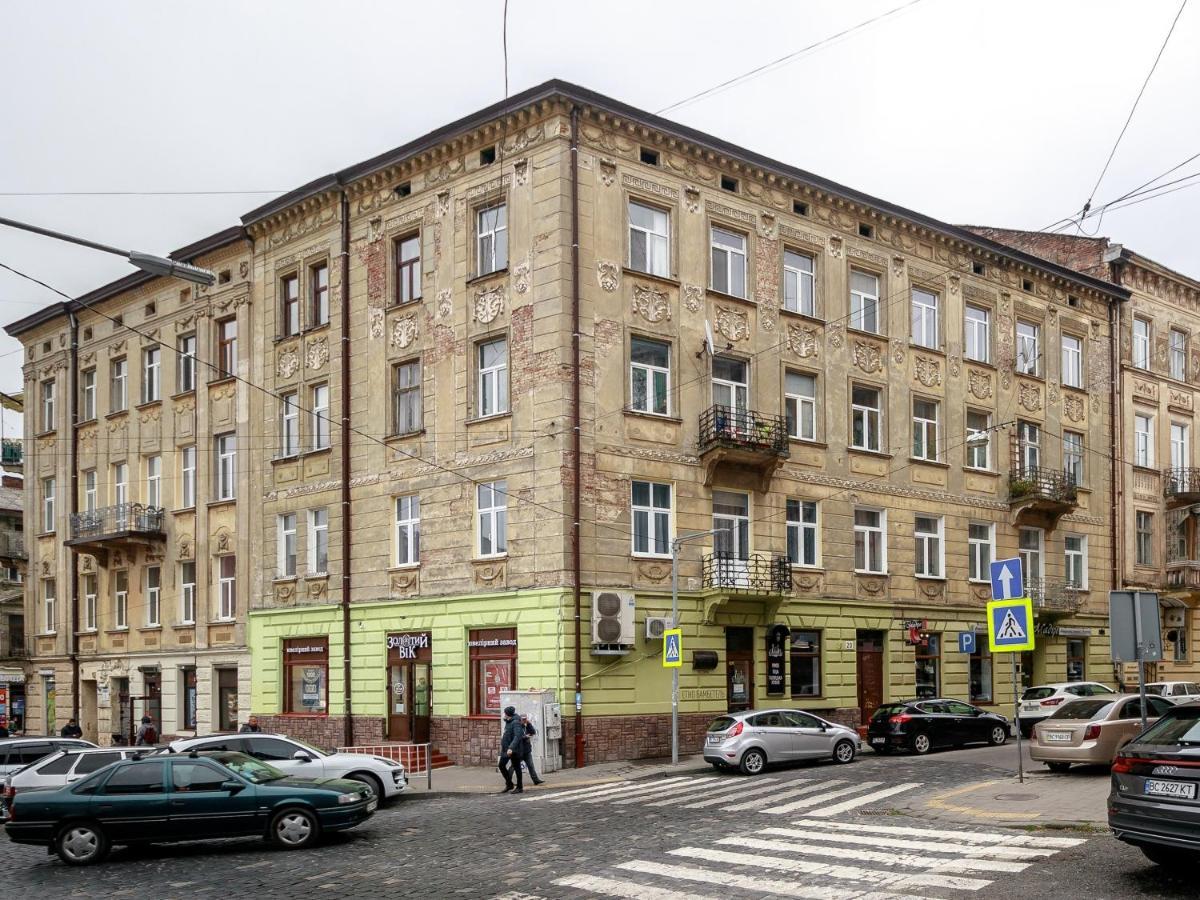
1016	796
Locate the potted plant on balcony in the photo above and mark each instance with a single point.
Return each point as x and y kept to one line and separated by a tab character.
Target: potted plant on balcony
1020	487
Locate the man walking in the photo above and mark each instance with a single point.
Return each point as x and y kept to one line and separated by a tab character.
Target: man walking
530	731
147	734
512	751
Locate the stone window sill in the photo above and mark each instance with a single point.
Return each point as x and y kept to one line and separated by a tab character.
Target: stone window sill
661	279
657	417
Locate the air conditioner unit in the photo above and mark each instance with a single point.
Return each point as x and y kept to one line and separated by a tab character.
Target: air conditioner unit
1174	618
655	626
612	621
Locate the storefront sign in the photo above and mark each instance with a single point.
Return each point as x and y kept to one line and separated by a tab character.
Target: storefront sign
914	629
407	645
290	650
777	639
12	677
1045	629
492	642
702	694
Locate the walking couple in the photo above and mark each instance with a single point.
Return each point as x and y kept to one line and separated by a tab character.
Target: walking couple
516	746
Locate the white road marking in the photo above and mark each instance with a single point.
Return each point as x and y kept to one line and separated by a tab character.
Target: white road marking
968	864
821	798
640	788
846	806
942	846
979	837
703	783
709	792
750	792
596	789
615	887
758	885
807	788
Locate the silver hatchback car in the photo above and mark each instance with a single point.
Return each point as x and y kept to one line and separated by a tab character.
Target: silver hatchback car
749	740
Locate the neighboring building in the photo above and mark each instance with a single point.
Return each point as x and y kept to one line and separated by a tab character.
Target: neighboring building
13	655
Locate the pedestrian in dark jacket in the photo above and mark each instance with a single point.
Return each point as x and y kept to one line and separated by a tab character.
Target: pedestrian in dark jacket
530	731
72	729
512	751
147	734
251	727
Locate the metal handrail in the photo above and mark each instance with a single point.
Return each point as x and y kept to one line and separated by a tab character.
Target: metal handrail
744	428
1040	481
12	452
12	544
414	757
760	573
1055	593
122	517
1180	480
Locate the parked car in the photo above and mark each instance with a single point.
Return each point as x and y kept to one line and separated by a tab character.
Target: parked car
1154	803
1091	731
185	797
386	777
59	768
1039	702
923	725
752	739
1175	691
17	753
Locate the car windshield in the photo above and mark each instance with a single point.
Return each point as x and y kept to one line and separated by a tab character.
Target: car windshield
1180	727
722	723
1037	693
884	711
248	767
1084	709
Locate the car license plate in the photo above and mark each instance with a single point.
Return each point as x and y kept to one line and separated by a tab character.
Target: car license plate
1183	789
878	740
1057	736
713	739
372	806
1030	707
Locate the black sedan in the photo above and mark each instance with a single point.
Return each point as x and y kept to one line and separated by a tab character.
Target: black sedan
184	798
923	725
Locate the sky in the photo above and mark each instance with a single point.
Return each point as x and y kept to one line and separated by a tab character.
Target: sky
972	112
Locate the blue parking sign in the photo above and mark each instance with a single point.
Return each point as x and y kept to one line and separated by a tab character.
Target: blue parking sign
1006	579
966	642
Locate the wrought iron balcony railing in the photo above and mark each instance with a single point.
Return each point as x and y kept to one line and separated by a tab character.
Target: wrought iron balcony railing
122	519
12	452
1041	483
12	545
1055	594
1181	484
744	429
760	573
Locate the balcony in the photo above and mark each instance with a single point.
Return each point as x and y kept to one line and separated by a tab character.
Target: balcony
1040	496
1183	576
1055	596
743	440
13	646
762	576
12	452
1181	487
119	527
12	545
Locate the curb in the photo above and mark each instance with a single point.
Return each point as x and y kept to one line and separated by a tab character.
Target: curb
942	808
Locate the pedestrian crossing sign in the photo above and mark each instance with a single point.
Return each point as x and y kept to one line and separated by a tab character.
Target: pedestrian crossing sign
672	648
1010	625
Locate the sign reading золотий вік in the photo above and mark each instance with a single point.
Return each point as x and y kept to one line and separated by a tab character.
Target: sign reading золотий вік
407	645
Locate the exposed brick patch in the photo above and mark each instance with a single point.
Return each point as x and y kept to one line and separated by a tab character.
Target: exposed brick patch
376	273
467	741
324	731
523	364
1083	254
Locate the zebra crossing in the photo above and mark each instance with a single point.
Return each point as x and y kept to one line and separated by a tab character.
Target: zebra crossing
817	798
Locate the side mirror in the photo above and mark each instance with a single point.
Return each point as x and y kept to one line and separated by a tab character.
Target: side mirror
301	756
233	787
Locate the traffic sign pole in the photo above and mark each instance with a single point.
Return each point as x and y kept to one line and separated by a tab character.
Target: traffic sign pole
1012	658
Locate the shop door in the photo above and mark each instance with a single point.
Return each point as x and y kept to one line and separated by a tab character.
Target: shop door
410	688
227	699
739	657
870	674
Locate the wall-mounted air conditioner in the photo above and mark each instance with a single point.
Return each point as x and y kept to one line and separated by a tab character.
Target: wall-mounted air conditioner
612	622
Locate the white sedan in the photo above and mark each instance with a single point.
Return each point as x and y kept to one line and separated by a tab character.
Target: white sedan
1175	691
384	776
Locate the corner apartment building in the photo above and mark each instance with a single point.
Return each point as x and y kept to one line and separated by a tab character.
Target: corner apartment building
13	654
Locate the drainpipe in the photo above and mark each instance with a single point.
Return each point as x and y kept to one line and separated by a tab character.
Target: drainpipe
347	697
575	441
73	507
1117	441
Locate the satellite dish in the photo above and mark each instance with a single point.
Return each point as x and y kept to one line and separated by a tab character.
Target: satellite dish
708	338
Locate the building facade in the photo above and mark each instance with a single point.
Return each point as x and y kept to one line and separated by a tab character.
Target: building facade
13	654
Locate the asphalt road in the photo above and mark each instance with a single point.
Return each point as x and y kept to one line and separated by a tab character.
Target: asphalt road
811	831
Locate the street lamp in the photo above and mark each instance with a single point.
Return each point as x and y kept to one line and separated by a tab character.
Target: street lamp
675	545
147	262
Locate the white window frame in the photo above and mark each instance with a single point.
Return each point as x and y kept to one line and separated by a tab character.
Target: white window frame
864	304
800	409
796	280
407	529
227	585
1073	456
318	537
652	517
187	593
120	484
926	431
185	349
732	258
118	395
985	446
1178	354
226	468
1034	575
154	481
977	336
872	419
1181	445
49	605
976	548
925	308
153	596
492	380
188	475
121	599
289	424
1076	559
866	532
799	527
88	395
90	589
1029	444
930	547
49	392
489	236
49	490
1029	348
151	374
1141	343
1143	440
90	491
1146	559
286	546
320	424
657	243
492	520
651	375
1072	361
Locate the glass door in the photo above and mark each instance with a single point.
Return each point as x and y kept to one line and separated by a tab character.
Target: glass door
422	691
731	542
398	726
730	388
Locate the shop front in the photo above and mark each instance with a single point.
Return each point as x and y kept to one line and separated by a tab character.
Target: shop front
12	700
410	686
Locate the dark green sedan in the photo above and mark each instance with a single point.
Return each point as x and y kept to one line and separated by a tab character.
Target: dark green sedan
185	798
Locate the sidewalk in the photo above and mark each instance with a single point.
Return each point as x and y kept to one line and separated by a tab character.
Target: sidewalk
486	780
1046	800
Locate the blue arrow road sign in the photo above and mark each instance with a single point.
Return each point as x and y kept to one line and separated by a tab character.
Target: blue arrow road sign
966	642
1006	579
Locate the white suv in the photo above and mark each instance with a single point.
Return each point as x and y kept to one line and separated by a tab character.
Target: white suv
1042	701
1175	691
384	776
60	769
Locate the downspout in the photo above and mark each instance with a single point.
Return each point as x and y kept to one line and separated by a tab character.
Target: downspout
73	506
347	689
1117	440
577	463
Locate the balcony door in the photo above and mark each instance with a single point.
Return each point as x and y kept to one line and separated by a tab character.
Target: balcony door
1030	551
731	542
1030	437
731	387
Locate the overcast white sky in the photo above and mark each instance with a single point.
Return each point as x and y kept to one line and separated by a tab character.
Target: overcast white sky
978	112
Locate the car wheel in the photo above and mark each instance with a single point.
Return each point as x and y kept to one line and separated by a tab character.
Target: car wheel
753	762
81	844
294	829
999	736
1058	766
1170	857
370	781
844	752
921	744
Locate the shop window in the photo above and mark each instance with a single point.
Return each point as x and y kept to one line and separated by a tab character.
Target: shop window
306	667
187	708
806	664
1076	660
493	658
981	673
929	657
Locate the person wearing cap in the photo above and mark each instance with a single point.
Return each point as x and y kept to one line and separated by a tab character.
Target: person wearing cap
530	731
512	751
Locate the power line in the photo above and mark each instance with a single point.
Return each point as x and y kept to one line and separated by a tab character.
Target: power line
133	193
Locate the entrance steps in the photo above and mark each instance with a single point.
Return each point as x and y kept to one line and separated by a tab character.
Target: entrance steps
414	757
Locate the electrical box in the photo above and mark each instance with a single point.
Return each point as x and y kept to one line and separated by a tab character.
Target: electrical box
545	714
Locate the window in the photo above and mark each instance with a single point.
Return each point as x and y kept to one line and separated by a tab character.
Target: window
306	664
978	337
924	318
408	530
187	593
1141	343
151	368
492	504
226	469
187	462
864	301
800	405
48	488
728	262
491	239
799	293
289	424
153	596
1029	337
120	484
1075	547
407	406
730	390
1029	446
318	286
493	377
138	778
227	583
1181	639
154	481
49	597
48	395
1178	354
648	156
190	777
1072	361
493	658
925	429
318	541
928	658
1029	548
806	663
980	676
118	395
729	183
1076	659
649	376
286	546
649	239
1181	453
320	416
803	540
226	348
979	440
408	269
927	531
121	599
870	545
185	357
89	491
1072	442
1143	440
731	543
865	418
289	305
651	505
980	551
87	395
1144	527
188	706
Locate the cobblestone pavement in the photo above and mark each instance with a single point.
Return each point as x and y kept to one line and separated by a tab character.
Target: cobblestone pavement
822	832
